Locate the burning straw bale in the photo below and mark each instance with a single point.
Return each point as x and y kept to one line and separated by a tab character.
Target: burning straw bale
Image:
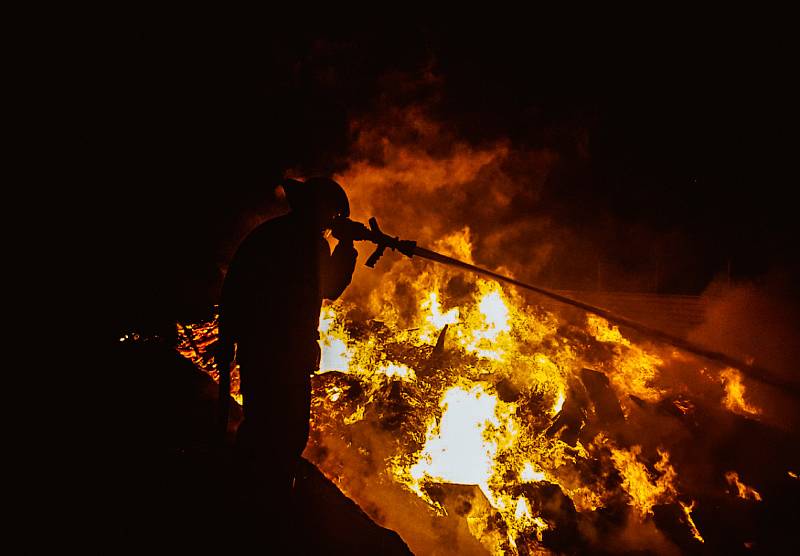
478	423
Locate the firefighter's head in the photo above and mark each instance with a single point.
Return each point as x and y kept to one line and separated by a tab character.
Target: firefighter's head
317	198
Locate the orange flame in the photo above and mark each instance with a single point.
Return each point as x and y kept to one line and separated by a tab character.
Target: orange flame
734	393
742	490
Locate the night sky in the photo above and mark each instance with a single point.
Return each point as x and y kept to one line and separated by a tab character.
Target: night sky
682	142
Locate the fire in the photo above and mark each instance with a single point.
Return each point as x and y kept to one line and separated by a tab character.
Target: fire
734	393
195	343
529	475
465	385
523	510
687	511
462	446
633	369
489	334
336	356
645	490
400	371
742	490
558	406
434	318
471	435
448	406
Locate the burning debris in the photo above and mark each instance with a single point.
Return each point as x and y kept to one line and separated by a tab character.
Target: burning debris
475	420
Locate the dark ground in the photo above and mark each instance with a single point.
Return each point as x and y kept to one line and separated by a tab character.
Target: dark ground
170	488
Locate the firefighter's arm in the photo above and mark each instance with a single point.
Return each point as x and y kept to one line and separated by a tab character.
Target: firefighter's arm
337	269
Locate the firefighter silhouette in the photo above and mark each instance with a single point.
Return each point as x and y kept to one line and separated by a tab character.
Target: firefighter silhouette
269	317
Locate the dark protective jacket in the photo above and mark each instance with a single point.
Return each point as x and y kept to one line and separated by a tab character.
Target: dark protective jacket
272	295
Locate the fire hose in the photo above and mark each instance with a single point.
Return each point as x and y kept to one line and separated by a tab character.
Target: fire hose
357	231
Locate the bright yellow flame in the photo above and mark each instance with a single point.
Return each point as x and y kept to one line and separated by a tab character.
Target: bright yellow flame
488	331
397	370
734	393
742	490
434	317
496	313
604	332
633	369
458	451
637	482
327	316
529	475
687	511
559	402
523	510
336	356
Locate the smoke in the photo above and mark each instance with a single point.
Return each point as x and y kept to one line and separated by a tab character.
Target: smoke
642	536
757	321
422	182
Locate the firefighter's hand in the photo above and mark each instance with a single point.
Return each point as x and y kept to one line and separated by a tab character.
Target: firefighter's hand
348	230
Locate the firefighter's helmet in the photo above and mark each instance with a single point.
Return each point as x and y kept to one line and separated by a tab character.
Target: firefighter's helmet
320	195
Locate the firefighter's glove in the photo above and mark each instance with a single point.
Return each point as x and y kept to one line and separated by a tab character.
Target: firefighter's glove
348	230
